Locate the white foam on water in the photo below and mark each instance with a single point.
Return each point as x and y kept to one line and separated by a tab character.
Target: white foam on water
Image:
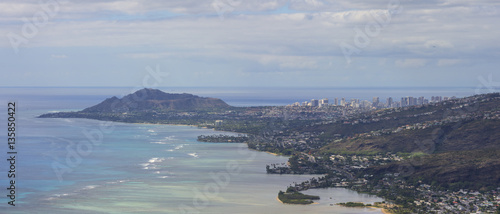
89	187
156	160
193	155
159	142
152	163
170	138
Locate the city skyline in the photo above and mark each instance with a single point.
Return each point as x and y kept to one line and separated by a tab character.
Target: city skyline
359	103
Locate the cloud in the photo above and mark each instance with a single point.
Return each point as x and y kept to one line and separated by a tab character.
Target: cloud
410	63
448	62
263	35
59	56
146	55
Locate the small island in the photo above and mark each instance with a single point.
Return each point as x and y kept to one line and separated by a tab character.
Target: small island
220	138
293	197
354	204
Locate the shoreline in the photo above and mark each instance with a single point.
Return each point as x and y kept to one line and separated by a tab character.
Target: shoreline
270	153
385	211
278	199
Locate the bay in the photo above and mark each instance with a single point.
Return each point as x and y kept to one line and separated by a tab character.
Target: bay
89	166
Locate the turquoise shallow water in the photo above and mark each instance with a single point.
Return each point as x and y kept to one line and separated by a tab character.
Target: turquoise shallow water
88	166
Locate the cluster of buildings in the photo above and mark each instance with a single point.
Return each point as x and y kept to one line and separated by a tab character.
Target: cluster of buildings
314	103
463	201
376	103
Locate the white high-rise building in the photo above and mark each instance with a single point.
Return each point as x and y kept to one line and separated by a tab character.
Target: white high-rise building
323	102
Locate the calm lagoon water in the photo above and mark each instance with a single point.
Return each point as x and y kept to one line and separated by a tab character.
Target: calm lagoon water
88	166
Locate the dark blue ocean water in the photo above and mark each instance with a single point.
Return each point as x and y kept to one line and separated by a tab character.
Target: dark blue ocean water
88	166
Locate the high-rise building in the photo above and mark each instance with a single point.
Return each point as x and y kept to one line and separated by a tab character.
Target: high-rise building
336	101
412	101
376	101
436	99
323	102
420	101
389	102
397	104
342	102
314	103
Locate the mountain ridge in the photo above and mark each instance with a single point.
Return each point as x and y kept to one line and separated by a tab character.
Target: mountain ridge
148	99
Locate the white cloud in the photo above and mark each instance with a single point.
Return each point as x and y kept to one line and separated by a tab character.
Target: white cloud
265	35
411	63
146	55
448	62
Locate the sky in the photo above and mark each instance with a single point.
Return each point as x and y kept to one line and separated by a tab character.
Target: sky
249	43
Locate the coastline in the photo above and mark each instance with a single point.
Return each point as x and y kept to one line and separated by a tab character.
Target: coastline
278	199
385	211
270	153
382	209
161	124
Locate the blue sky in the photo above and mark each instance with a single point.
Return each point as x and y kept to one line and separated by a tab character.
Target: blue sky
282	43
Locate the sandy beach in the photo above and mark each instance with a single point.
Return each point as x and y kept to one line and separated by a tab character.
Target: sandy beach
272	153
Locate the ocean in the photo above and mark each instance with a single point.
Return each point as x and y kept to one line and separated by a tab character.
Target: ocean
89	166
